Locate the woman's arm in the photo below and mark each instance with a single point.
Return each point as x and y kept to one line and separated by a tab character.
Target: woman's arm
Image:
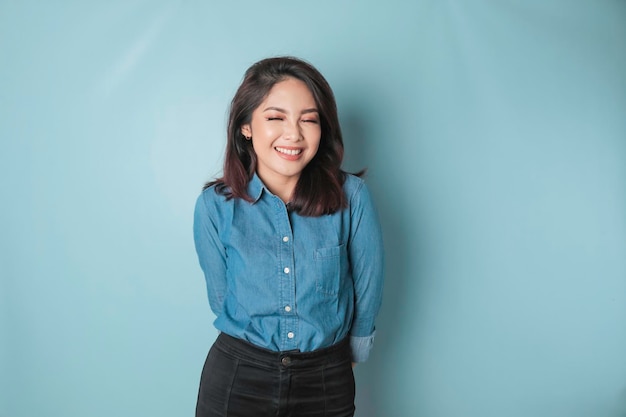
367	263
211	251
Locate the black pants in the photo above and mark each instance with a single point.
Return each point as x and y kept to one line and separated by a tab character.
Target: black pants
242	380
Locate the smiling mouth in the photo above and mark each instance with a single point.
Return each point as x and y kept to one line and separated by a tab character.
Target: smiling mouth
289	151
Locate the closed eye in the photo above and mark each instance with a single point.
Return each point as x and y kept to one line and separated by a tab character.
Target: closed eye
274	118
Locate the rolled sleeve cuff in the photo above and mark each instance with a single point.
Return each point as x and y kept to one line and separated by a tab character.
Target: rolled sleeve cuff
360	346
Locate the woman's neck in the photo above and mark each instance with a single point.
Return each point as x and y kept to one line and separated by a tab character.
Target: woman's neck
283	189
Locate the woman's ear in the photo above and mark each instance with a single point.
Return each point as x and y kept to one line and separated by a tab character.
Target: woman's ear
246	131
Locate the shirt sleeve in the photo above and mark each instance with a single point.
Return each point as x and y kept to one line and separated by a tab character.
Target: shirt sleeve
361	346
367	263
211	252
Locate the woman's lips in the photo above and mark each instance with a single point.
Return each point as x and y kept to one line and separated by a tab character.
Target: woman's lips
291	154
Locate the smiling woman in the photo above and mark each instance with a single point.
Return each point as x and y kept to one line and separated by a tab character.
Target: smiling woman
292	253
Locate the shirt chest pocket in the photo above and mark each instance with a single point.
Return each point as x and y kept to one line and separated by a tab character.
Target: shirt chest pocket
331	265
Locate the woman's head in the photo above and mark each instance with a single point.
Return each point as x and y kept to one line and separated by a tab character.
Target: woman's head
321	172
285	133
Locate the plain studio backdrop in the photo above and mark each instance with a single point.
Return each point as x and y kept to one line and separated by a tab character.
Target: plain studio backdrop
495	137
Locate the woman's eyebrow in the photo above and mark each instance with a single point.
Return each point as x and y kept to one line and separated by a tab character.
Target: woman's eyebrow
311	110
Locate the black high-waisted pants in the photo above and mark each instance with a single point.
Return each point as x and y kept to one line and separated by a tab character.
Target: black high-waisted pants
242	380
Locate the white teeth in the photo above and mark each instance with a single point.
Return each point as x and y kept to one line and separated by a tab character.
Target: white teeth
289	151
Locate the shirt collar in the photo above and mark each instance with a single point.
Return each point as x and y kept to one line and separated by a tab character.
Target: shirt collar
255	188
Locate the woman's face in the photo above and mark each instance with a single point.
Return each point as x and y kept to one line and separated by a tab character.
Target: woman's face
285	131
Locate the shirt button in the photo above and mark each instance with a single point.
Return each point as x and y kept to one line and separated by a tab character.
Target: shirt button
290	335
287	309
286	270
286	239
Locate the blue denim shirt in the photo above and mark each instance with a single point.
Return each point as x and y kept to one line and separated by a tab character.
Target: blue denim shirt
283	281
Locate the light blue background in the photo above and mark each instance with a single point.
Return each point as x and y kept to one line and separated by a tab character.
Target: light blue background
495	136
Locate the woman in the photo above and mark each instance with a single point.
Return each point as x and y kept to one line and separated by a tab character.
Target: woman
292	253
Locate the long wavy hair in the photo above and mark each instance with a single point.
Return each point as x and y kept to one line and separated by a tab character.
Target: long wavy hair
319	189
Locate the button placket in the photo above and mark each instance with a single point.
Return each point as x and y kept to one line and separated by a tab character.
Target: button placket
288	318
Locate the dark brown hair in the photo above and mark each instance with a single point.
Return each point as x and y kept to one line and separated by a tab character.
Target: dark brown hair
320	186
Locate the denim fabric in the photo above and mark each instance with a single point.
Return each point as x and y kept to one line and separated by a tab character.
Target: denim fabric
241	380
284	281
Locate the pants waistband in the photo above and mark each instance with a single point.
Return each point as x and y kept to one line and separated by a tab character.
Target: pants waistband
247	351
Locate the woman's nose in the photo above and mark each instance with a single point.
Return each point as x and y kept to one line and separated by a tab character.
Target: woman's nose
292	131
